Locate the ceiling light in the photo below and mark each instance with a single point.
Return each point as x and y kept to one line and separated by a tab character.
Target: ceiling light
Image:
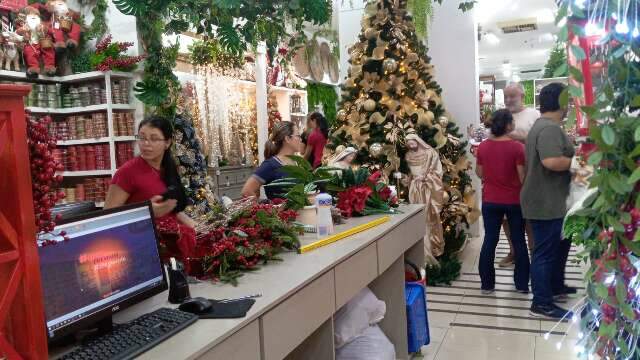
492	38
580	3
546	37
516	78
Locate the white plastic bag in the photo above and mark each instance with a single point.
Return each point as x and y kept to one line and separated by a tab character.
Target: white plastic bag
373	344
357	315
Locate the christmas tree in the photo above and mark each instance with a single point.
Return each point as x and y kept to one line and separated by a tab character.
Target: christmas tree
389	92
192	165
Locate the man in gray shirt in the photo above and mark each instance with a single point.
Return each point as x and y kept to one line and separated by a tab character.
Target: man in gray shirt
543	198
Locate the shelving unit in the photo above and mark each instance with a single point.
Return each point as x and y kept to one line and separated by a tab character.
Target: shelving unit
283	97
538	84
57	113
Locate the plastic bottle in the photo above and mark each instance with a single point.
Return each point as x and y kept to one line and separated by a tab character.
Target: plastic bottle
324	226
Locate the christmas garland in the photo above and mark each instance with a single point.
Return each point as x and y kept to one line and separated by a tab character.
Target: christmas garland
608	223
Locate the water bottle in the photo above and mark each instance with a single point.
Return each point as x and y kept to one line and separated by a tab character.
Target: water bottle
324	226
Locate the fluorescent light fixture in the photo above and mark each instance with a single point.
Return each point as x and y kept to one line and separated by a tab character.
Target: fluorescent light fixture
492	38
546	37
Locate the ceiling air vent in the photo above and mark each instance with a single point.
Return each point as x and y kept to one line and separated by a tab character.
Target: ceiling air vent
520	25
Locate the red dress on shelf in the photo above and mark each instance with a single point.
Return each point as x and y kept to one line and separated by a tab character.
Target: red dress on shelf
142	182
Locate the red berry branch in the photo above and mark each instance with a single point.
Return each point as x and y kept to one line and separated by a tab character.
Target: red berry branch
112	56
44	180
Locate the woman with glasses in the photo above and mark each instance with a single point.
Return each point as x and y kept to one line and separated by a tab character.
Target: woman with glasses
152	174
284	141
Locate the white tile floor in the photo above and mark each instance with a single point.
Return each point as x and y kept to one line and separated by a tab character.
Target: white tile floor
464	324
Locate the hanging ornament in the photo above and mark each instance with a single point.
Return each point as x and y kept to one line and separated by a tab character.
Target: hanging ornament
369	105
444	121
390	65
375	149
341	115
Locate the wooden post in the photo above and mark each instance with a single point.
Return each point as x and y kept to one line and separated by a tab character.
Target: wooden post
22	324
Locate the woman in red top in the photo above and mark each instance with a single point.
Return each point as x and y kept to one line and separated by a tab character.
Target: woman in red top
500	165
317	139
149	175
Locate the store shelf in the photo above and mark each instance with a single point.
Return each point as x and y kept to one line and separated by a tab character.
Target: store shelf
75	78
73	110
285	89
123	107
86	173
125	138
83	141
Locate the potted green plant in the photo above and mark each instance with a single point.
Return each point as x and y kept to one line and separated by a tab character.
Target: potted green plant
302	184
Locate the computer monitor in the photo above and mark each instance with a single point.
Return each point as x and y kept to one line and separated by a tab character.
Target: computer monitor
109	262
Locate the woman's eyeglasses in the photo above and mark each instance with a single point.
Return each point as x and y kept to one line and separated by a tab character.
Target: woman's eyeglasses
151	140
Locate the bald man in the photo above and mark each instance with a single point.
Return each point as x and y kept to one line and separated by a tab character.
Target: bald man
523	120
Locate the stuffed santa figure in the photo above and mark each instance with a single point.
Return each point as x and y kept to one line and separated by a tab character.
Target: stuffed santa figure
37	42
62	22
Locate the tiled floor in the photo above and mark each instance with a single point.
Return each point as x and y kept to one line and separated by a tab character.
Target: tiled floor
464	324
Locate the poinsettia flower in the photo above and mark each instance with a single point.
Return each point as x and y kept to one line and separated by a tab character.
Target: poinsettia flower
373	178
385	193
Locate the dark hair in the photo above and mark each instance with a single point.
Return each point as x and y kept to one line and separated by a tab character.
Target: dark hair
500	121
279	134
170	174
550	97
321	122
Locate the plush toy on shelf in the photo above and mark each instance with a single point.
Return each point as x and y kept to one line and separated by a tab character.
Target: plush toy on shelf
36	40
62	23
9	51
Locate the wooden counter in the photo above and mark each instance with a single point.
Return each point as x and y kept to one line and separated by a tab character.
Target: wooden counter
294	317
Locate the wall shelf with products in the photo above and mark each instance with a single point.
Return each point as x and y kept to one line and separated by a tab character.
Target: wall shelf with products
94	120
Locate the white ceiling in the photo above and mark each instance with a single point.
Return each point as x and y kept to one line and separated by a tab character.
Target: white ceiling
524	50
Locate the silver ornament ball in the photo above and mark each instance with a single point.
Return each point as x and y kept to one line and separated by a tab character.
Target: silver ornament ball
375	149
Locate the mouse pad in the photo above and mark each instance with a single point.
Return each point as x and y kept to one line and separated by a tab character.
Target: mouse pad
228	310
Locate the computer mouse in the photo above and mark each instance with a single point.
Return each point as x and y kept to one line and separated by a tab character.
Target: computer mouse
198	305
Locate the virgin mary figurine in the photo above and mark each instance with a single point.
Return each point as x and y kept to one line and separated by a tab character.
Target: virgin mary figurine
426	187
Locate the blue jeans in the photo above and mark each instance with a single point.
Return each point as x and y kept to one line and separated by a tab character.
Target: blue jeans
492	215
549	260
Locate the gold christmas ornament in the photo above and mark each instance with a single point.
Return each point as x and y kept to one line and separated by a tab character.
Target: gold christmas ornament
425	118
375	149
376	118
412	57
355	71
412	74
369	105
390	65
440	137
444	122
349	83
341	115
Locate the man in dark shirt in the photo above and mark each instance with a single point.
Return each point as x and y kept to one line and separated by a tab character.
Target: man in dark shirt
544	193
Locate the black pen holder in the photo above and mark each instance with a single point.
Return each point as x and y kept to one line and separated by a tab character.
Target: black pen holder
178	286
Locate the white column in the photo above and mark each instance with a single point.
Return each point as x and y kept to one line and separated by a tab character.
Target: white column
453	43
261	98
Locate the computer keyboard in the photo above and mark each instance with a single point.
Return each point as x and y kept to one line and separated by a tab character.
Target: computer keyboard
134	338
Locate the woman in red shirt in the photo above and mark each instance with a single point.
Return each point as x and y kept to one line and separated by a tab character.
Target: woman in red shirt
317	139
500	165
149	175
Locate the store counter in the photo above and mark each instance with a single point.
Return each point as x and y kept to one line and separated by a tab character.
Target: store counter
294	316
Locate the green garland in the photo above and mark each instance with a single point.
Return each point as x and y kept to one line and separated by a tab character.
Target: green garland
422	13
325	95
445	272
98	27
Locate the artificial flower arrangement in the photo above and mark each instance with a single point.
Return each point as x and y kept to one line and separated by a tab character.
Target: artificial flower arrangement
233	240
361	193
112	56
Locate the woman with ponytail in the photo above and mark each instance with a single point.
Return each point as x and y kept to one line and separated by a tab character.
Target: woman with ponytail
317	138
284	141
500	165
152	174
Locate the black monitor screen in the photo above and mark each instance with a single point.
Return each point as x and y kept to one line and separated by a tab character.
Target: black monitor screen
106	260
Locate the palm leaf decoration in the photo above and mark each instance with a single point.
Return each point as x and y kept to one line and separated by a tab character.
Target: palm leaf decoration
131	7
230	39
150	92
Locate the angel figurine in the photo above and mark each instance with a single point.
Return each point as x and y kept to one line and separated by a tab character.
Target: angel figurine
343	158
426	187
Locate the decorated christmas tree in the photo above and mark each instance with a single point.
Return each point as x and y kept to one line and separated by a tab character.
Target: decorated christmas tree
192	165
389	92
